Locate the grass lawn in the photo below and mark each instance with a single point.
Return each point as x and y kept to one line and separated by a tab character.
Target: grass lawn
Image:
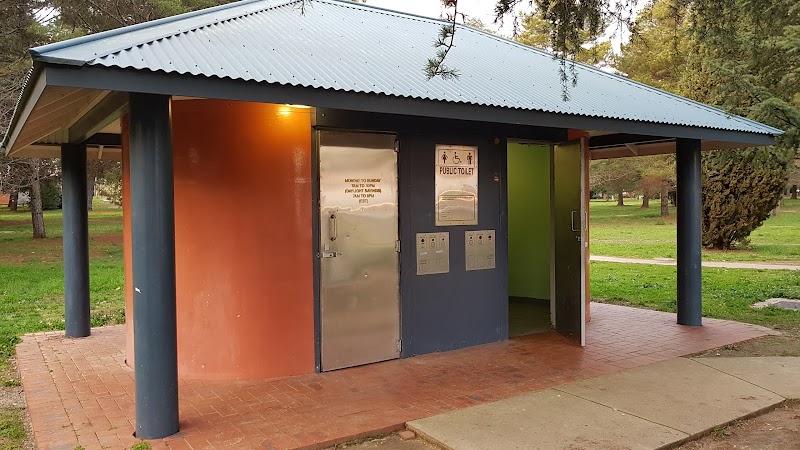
12	430
632	232
727	293
32	280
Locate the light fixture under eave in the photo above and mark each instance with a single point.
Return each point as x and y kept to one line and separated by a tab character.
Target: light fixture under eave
286	109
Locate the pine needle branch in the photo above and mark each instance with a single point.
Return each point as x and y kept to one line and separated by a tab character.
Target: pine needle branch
444	43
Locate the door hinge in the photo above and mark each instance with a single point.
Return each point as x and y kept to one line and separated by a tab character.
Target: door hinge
397	246
399	345
397	145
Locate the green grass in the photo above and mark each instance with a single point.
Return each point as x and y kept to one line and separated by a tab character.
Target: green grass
727	293
633	232
12	430
32	280
629	231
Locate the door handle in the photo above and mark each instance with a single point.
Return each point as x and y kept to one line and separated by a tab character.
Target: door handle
329	254
574	228
332	227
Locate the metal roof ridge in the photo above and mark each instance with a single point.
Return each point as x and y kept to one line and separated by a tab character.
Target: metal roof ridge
198	27
38	53
356	5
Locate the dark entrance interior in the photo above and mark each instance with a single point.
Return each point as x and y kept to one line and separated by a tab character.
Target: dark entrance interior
529	249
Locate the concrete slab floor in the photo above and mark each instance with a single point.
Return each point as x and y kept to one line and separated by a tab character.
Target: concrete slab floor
528	316
653	406
778	374
543	420
680	393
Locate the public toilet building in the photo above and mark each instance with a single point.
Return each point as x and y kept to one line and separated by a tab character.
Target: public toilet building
299	197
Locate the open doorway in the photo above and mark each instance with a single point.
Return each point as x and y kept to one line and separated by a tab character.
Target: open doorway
546	239
529	237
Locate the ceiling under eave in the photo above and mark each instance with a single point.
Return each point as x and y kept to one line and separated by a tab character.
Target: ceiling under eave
651	148
53	110
47	118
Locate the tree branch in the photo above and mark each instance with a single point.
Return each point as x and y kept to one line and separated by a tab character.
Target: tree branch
444	44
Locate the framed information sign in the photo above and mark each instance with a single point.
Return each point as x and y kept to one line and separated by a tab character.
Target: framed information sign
456	185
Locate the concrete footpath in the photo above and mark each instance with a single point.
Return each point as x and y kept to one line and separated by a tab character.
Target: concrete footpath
719	264
649	407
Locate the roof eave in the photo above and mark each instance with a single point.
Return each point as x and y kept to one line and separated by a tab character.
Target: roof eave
41	51
129	80
36	81
44	59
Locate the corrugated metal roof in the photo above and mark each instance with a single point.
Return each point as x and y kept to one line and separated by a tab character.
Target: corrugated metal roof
345	46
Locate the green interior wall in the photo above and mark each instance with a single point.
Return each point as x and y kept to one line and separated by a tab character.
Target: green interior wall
528	221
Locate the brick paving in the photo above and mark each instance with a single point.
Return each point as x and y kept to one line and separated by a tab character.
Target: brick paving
80	392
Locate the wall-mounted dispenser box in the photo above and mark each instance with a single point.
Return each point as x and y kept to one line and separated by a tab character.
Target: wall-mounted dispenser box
480	249
433	253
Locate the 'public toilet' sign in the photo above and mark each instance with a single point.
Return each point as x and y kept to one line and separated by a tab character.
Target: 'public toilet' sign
456	185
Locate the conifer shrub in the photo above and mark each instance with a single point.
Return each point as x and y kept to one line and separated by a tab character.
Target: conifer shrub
740	189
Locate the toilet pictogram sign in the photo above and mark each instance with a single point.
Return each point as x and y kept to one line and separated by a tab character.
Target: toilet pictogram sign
456	158
456	185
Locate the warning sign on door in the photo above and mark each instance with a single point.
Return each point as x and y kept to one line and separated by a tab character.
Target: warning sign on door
456	185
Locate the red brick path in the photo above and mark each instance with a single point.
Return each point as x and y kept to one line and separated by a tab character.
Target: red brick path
80	392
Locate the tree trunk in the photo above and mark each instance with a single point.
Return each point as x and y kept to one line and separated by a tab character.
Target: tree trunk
620	200
90	191
794	192
13	200
646	199
36	206
664	200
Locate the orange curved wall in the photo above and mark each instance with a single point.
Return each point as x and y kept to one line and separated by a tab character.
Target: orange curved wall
127	244
243	241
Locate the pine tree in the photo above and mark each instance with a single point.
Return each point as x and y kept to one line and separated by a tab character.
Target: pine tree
741	56
744	59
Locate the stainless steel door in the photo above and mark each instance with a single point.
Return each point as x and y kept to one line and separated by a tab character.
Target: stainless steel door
359	268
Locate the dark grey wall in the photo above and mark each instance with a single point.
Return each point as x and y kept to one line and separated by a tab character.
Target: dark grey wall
458	309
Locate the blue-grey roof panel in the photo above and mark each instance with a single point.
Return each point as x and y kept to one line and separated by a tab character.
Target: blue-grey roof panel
345	46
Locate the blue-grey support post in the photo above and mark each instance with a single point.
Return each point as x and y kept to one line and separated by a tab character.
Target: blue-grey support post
153	241
76	240
690	232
